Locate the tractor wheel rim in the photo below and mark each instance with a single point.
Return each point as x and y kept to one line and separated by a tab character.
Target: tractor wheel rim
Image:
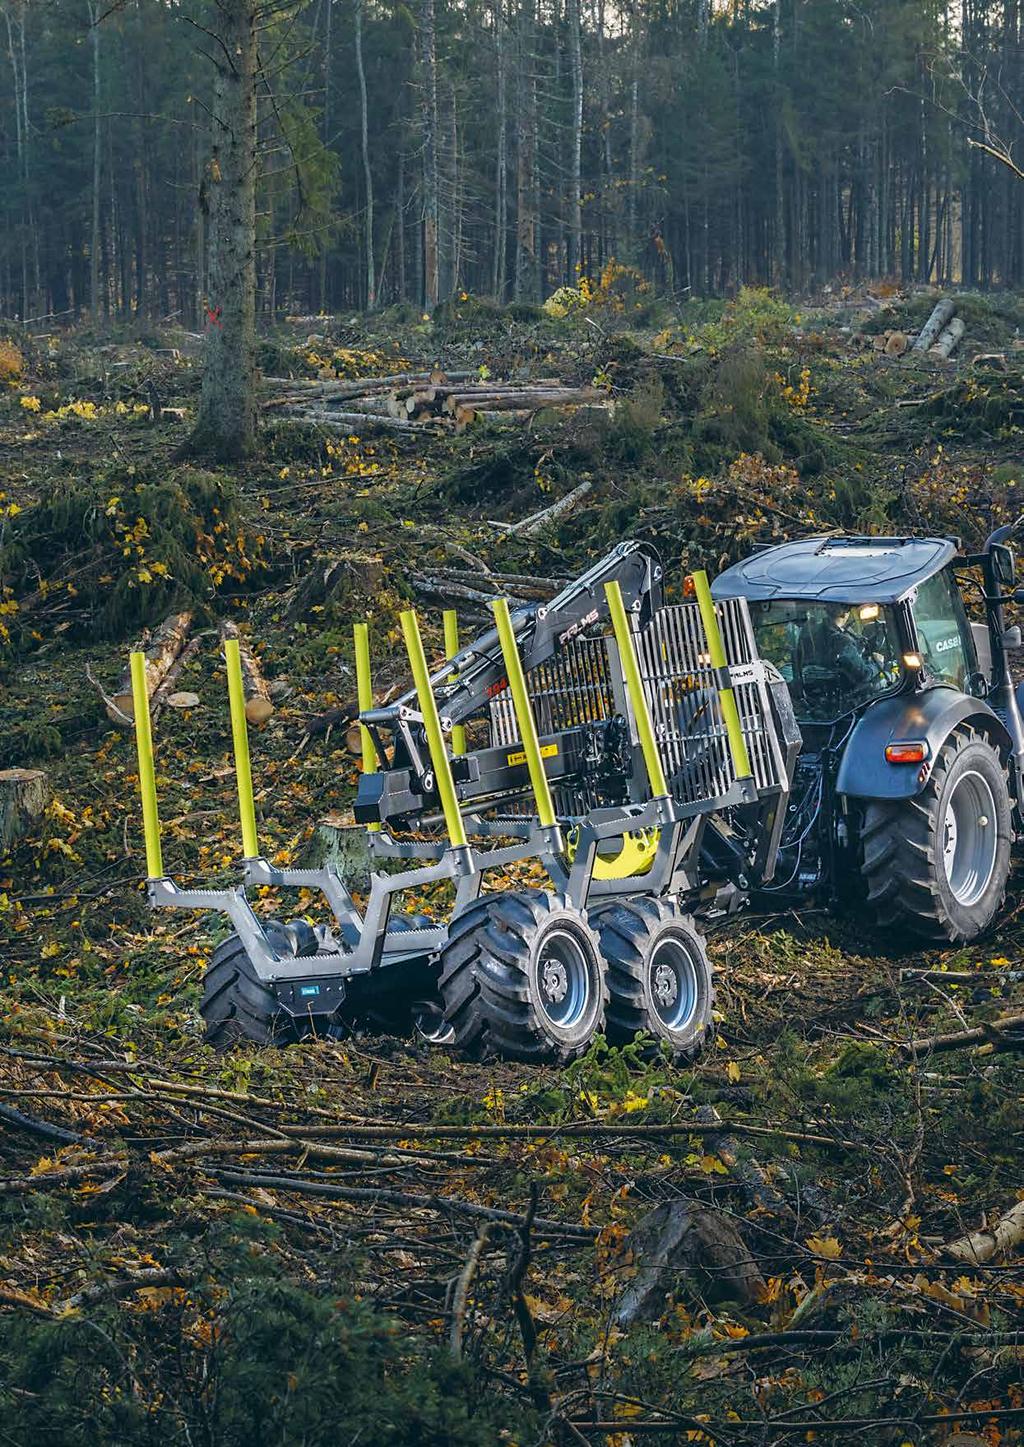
674	983
563	977
970	838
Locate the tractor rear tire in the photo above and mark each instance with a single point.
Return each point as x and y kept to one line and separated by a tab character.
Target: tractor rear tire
659	975
936	865
237	1005
522	977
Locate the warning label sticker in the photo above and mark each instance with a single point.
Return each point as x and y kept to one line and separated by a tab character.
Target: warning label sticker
548	751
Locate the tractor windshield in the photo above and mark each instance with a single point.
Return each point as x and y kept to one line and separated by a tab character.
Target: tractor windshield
834	656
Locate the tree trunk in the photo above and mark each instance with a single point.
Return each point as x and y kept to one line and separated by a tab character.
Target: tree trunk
780	268
24	795
328	65
527	219
576	162
226	424
501	163
633	193
371	280
428	112
161	652
258	707
402	288
97	153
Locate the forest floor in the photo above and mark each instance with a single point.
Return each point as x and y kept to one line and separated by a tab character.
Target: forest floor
369	1240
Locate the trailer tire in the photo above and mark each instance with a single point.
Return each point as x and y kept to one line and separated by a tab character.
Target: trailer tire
659	975
237	1005
521	977
936	865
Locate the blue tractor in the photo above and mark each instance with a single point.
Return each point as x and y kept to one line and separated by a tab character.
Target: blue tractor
908	786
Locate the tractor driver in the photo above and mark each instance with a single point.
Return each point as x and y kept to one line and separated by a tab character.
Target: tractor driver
832	652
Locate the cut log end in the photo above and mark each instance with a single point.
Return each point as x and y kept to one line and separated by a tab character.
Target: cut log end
258	710
258	704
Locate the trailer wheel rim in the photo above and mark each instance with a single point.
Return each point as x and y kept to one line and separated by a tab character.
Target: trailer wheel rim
430	1025
970	838
563	978
675	987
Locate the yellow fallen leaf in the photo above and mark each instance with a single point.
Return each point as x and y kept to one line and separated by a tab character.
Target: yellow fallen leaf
826	1246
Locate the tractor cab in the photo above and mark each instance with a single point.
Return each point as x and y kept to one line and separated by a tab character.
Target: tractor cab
911	768
848	621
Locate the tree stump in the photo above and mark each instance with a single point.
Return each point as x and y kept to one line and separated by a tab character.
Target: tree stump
340	841
24	795
684	1246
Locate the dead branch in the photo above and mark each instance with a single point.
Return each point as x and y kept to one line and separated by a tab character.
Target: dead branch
528	527
439	1204
464	1286
1001	1034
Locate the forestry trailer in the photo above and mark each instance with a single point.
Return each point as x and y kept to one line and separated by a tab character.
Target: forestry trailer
620	769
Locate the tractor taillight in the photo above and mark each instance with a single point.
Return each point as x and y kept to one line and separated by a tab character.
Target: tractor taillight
911	751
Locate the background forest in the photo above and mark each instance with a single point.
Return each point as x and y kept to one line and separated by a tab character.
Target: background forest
706	142
532	277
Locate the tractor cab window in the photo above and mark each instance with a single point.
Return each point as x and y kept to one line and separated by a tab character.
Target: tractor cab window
834	656
943	632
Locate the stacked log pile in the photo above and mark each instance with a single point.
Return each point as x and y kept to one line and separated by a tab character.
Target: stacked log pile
943	332
939	338
436	400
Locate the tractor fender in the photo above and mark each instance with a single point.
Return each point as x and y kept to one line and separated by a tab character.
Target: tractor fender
865	773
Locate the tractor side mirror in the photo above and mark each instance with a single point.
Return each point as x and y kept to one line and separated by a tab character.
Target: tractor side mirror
1004	569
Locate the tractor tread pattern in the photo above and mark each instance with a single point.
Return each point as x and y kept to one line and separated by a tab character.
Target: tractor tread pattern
900	845
626	928
235	1005
484	982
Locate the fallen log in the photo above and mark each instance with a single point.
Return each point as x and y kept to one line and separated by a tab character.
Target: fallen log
164	693
949	339
447	588
24	795
420	401
508	417
346	421
521	584
360	387
527	399
527	527
161	650
977	1247
943	312
374	406
258	705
